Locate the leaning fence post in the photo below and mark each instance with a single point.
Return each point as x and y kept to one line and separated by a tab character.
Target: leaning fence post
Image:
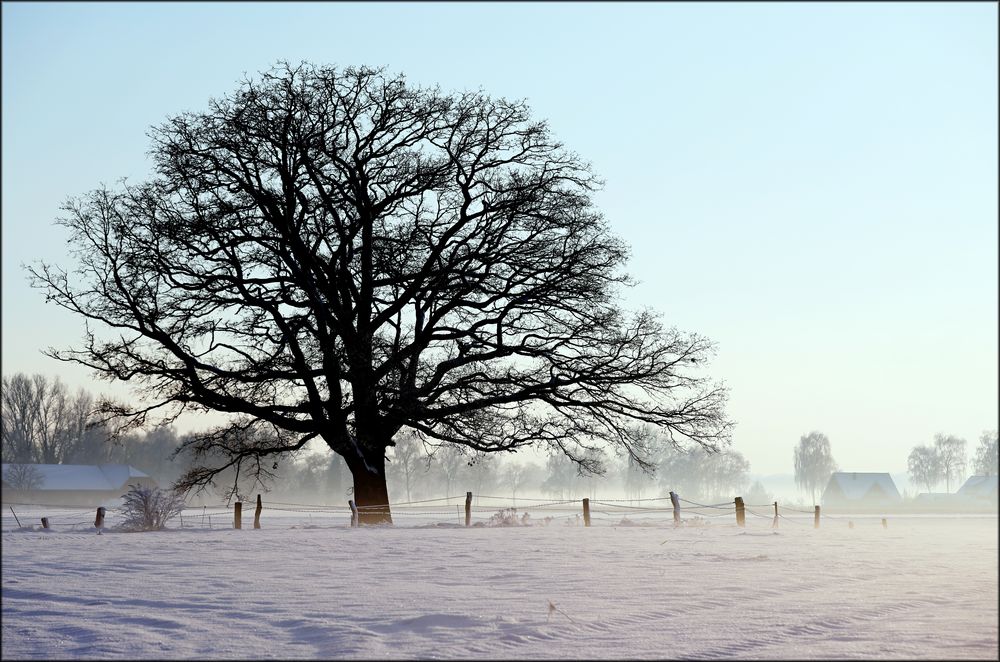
45	522
774	525
19	521
99	520
586	512
677	508
741	516
816	518
468	508
354	513
238	515
256	513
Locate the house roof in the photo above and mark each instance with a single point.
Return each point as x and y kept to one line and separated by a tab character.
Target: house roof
87	477
979	486
859	485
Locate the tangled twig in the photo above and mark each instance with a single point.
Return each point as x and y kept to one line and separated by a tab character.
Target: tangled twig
552	608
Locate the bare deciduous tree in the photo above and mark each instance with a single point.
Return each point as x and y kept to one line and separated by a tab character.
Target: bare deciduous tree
699	474
450	462
636	479
410	459
813	462
483	472
986	454
46	424
924	466
339	254
561	475
951	455
20	407
516	475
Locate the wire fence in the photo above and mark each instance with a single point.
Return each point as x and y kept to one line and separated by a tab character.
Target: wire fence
477	511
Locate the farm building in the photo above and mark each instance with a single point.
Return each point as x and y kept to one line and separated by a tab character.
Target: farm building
979	488
860	489
69	484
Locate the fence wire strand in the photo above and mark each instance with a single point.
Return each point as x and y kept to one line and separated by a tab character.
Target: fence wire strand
449	511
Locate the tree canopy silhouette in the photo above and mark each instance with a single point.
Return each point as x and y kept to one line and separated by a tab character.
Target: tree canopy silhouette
336	253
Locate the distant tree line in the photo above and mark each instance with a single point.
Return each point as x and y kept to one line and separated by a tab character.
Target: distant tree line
44	422
946	460
418	469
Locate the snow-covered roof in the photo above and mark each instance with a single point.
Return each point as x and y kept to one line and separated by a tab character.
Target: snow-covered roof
858	485
96	477
979	486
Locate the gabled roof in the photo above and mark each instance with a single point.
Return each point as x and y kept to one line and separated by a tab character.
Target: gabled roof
858	486
979	486
87	477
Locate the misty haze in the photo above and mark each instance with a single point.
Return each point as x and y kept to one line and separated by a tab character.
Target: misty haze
500	331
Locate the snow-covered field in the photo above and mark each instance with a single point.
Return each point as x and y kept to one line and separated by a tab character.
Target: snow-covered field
309	586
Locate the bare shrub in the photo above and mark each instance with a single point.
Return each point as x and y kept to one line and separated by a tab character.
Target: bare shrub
149	508
508	517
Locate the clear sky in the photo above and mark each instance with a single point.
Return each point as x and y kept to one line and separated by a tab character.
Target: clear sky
813	186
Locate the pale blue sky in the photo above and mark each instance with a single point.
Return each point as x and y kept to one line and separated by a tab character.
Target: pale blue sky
813	186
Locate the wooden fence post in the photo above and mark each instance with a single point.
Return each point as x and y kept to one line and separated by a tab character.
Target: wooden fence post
238	515
19	521
741	515
354	513
99	520
586	512
468	508
256	513
816	518
677	508
45	522
885	524
774	525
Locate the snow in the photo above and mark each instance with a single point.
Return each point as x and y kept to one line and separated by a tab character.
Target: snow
308	586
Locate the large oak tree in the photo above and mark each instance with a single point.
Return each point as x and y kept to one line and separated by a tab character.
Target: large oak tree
338	254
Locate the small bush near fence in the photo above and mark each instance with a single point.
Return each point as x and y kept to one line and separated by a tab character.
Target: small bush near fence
148	508
508	517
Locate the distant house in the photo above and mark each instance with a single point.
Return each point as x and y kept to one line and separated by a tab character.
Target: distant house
860	489
69	484
979	488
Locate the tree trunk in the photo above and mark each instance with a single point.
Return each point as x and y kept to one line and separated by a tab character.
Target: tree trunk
371	494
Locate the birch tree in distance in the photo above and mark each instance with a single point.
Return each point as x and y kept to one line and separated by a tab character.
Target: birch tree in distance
924	466
813	462
951	454
337	254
